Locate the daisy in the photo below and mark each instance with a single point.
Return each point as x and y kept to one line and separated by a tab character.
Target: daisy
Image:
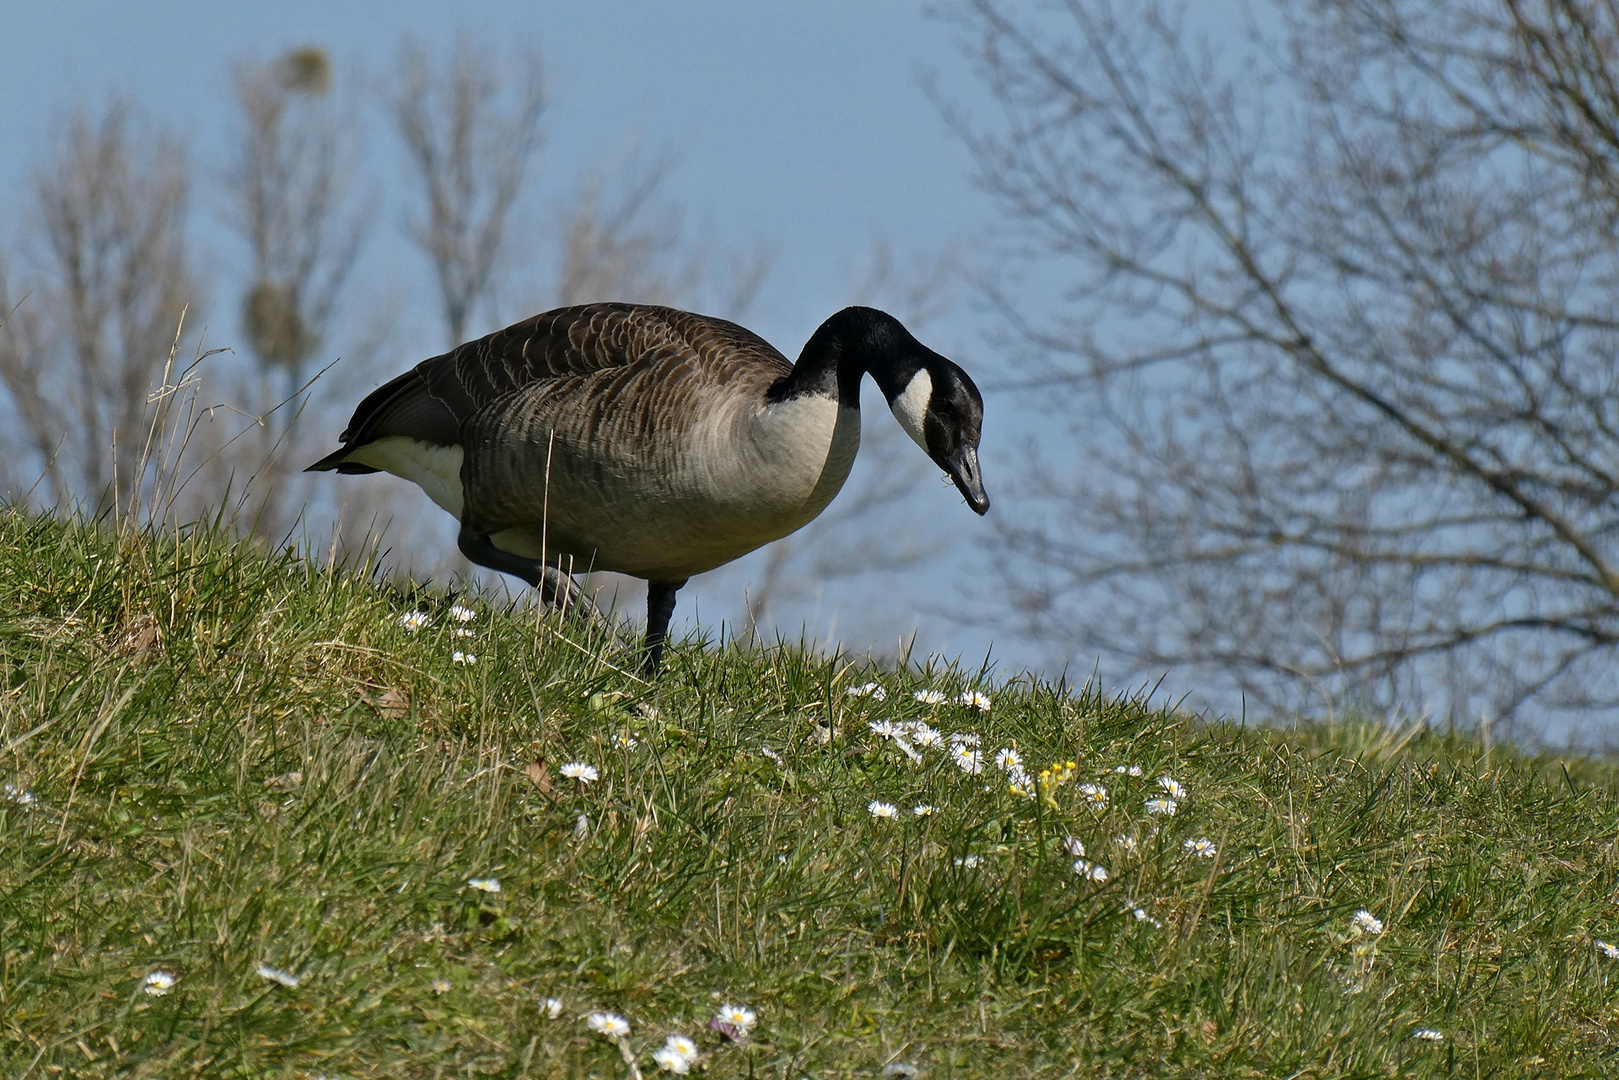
964	738
1172	787
1428	1035
1366	921
880	809
968	761
439	986
159	982
626	741
924	810
677	1055
1127	770
974	700
461	631
929	697
1127	843
1611	952
1008	759
669	1060
484	884
970	862
552	1007
871	690
415	620
1161	805
885	729
1202	847
765	751
464	657
925	736
462	614
1090	870
276	975
1140	913
578	770
612	1025
739	1017
1095	794
1073	845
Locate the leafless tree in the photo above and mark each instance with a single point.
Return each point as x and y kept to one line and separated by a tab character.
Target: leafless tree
471	130
289	192
93	304
1334	346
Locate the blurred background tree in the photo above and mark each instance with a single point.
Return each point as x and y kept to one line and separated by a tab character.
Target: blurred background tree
1334	353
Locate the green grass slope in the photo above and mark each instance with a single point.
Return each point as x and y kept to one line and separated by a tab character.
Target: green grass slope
216	761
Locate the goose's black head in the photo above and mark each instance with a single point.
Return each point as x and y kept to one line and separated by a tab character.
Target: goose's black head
933	399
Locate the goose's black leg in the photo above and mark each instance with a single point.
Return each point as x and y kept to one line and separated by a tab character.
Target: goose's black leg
660	605
557	589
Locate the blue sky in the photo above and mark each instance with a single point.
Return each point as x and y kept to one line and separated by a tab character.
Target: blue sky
801	127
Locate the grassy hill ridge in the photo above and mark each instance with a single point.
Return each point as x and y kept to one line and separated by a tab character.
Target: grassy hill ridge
229	772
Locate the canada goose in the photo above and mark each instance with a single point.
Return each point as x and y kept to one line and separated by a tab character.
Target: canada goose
650	441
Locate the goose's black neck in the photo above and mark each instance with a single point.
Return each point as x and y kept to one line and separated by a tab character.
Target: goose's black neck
849	344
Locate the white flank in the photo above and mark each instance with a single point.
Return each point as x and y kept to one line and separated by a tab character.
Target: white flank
912	405
434	469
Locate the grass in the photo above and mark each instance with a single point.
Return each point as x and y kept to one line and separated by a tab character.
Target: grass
219	759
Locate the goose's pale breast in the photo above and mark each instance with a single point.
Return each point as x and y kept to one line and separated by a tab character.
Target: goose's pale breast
644	494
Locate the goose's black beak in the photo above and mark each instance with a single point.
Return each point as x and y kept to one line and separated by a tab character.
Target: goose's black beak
963	469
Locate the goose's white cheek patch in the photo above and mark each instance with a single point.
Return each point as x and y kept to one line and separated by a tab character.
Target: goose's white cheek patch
911	405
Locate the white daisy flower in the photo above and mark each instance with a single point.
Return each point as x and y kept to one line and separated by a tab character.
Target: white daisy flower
276	975
880	809
677	1056
1127	770
973	699
1008	759
1095	794
552	1007
929	697
484	884
1202	847
159	982
624	740
1073	845
21	796
415	620
464	657
1090	870
1162	806
765	751
1610	951
461	613
924	810
1366	921
885	729
970	862
968	761
1172	787
439	986
1126	843
739	1017
612	1025
461	631
1428	1035
925	736
578	770
871	690
1140	913
965	738
671	1061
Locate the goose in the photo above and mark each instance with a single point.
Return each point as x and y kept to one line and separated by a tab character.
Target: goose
649	441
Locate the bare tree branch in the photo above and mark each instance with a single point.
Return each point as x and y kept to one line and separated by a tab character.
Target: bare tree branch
1337	347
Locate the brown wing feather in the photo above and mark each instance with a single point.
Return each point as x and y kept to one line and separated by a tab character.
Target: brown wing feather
434	401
